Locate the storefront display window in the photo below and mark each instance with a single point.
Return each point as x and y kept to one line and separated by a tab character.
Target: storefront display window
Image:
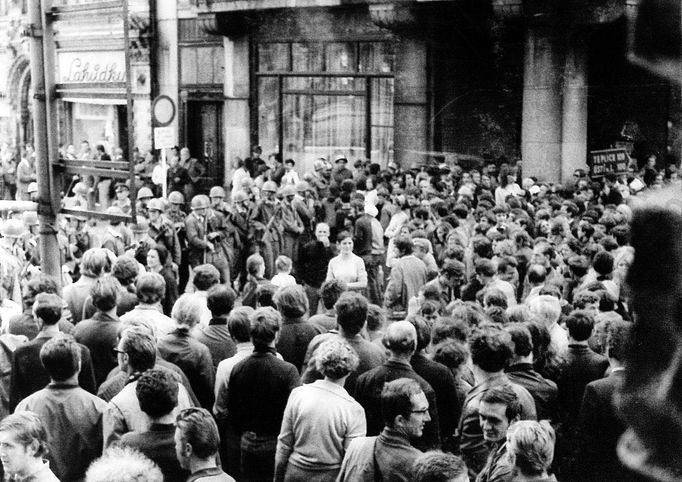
96	123
320	99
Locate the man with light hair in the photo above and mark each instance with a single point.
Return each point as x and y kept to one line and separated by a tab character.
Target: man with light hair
23	447
123	464
530	446
547	310
95	263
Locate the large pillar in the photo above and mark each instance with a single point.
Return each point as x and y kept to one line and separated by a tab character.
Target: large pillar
410	102
574	125
542	117
237	118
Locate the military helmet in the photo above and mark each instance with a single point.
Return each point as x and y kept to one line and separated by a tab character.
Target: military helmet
216	191
155	205
30	218
141	225
239	196
115	210
144	192
12	228
32	187
176	197
288	190
200	201
269	186
302	187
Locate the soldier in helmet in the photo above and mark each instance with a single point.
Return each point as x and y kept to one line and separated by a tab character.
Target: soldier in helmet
162	232
176	215
196	225
142	242
292	226
80	196
33	191
117	236
304	203
144	195
122	200
13	259
238	225
218	221
30	236
267	227
79	237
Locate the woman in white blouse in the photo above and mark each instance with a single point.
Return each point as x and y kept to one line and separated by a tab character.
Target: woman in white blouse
347	267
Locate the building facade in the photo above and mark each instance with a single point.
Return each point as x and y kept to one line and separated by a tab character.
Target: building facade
410	81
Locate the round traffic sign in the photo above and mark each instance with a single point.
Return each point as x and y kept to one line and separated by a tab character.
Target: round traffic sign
163	110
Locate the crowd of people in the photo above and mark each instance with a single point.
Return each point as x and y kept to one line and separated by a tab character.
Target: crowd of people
432	324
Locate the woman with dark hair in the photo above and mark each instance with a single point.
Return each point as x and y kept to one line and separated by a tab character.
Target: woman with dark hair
158	262
347	266
320	420
507	186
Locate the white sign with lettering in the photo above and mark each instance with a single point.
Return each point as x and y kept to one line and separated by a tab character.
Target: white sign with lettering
164	137
102	67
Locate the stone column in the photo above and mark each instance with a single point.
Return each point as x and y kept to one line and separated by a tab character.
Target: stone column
410	104
542	117
236	112
574	125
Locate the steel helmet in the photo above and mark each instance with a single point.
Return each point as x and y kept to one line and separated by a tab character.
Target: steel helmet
176	197
217	191
269	186
288	190
30	218
144	192
239	196
33	187
12	228
155	205
115	210
302	187
200	201
246	183
141	225
80	188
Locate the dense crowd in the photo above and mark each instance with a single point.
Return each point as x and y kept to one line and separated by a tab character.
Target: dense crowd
431	324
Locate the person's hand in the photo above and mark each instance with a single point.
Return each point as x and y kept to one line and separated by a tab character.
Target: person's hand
210	246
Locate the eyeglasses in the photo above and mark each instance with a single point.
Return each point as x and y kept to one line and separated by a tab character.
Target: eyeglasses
423	411
116	351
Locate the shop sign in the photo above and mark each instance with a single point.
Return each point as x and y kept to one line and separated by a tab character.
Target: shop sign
164	137
91	67
608	160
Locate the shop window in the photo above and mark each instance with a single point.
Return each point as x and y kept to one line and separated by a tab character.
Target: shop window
319	99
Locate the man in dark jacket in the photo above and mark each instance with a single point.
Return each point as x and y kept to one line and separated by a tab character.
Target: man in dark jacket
314	259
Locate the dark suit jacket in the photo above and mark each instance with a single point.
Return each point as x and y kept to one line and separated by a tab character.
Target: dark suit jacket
447	398
581	367
159	445
544	392
294	338
368	394
28	375
100	335
599	429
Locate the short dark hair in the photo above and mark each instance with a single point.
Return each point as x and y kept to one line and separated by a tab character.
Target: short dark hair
330	292
197	428
291	301
125	270
490	348
61	357
238	324
438	466
453	354
351	312
375	317
48	307
396	399
521	337
403	244
157	392
40	284
220	300
504	395
105	293
265	323
446	328
603	263
140	348
485	267
494	297
205	276
423	331
580	325
618	339
537	274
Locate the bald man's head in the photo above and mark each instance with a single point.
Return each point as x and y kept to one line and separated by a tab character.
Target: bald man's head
401	338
